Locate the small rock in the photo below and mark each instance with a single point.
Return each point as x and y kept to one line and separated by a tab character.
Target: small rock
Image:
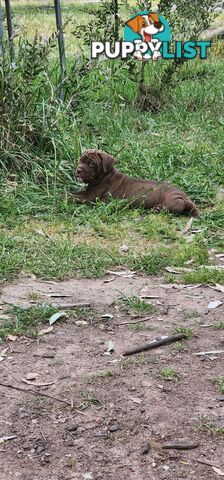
113	428
145	449
73	427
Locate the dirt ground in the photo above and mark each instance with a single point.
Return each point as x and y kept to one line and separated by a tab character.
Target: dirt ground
123	400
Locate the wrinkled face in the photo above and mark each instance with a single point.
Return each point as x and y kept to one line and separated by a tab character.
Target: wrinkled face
93	166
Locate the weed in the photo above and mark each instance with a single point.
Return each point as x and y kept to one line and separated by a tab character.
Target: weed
210	427
32	295
220	382
219	325
102	374
138	326
189	332
179	346
25	321
135	305
169	373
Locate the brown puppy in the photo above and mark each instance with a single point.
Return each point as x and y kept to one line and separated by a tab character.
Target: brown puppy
96	169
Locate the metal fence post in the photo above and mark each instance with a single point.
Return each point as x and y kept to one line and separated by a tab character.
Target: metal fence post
2	48
10	31
61	45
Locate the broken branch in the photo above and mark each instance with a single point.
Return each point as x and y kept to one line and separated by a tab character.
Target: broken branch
158	342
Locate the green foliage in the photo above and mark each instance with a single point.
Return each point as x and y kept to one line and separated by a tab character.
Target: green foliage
25	321
135	305
169	373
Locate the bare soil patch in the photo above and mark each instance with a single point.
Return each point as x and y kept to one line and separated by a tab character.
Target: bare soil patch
124	401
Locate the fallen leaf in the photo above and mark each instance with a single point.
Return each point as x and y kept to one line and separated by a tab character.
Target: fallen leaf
3	352
220	288
178	271
107	316
81	322
31	376
6	438
45	331
110	279
56	316
187	226
214	304
136	400
12	338
218	471
37	384
123	273
110	347
124	248
87	476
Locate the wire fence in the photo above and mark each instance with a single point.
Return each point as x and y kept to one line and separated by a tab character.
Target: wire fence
59	27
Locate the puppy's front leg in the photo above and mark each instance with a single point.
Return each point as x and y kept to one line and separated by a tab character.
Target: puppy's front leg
83	197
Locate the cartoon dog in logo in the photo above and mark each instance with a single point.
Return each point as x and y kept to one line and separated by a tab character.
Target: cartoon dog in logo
146	26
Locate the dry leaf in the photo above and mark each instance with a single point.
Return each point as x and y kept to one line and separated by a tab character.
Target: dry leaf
218	471
136	400
220	288
110	279
37	384
214	304
179	270
56	316
31	376
45	331
124	248
107	316
123	273
81	322
12	338
6	438
187	226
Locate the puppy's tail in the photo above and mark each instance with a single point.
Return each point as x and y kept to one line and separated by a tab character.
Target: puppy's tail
191	209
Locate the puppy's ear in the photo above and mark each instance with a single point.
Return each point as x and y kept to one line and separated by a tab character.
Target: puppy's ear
107	162
134	23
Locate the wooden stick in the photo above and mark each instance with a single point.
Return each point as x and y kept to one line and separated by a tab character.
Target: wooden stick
33	392
157	343
213	352
137	321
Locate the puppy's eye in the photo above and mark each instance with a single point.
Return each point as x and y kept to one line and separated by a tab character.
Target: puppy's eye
144	24
150	22
92	164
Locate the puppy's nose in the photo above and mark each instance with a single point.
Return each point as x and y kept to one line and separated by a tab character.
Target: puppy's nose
158	24
79	170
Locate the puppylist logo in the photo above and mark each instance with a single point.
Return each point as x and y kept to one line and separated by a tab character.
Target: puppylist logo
147	36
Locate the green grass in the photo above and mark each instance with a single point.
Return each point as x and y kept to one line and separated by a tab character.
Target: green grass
211	428
220	382
41	230
219	325
187	331
135	305
25	321
169	373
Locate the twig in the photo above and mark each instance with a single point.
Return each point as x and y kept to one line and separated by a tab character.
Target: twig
33	392
137	321
56	305
157	343
213	352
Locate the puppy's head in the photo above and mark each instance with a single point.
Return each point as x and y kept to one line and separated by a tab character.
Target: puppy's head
146	25
93	166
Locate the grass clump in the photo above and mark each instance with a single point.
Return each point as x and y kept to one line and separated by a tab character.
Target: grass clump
187	331
25	321
136	306
220	382
219	325
169	373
